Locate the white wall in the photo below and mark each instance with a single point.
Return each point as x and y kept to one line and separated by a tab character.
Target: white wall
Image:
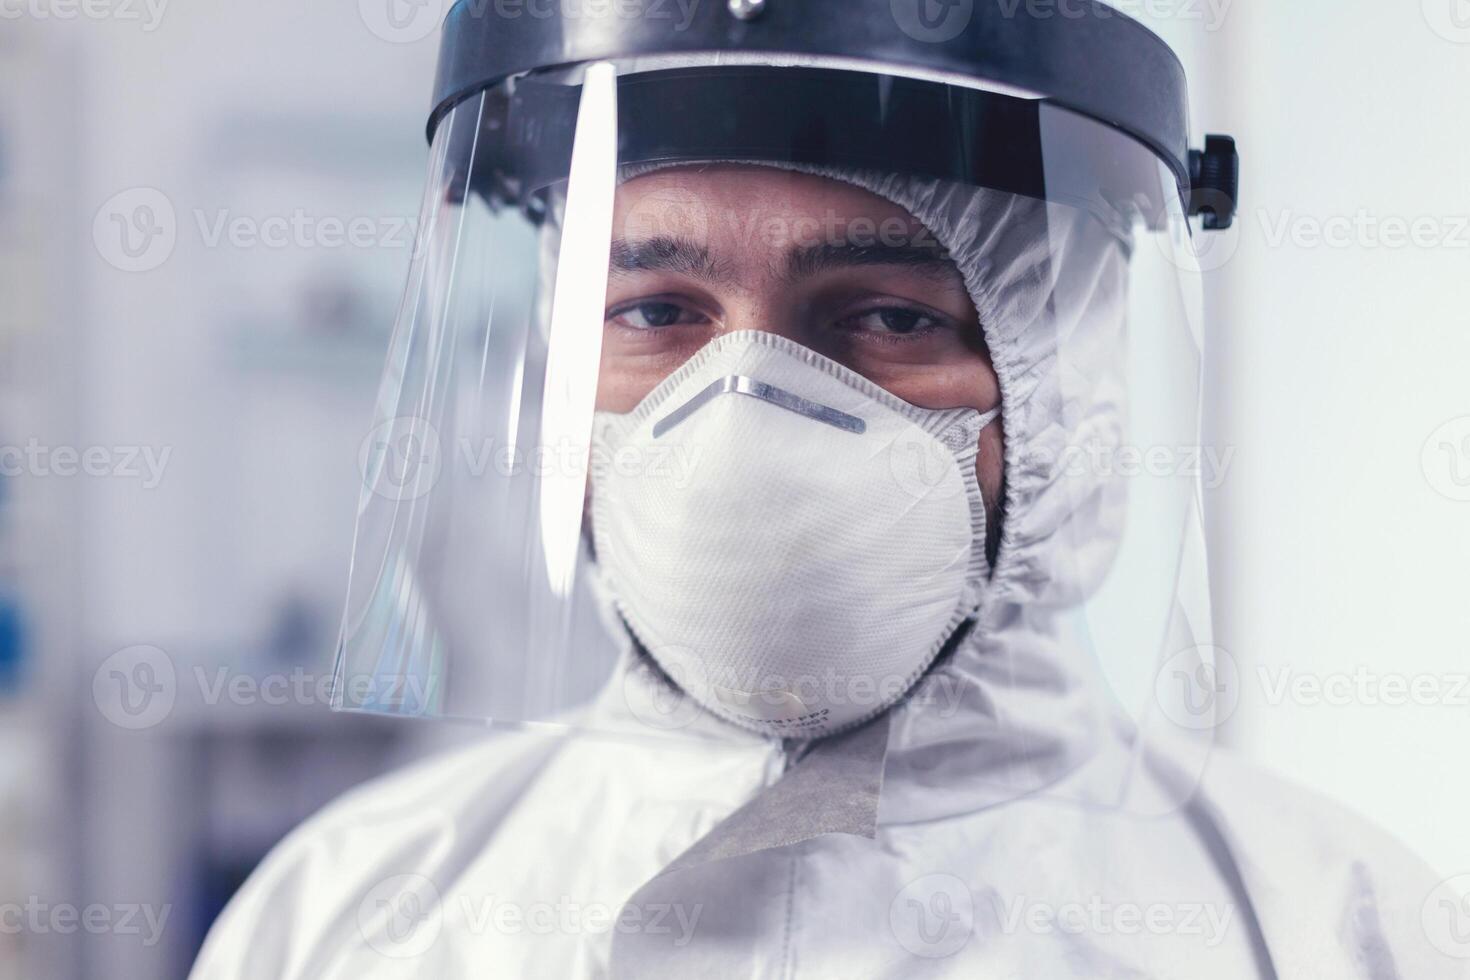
1337	545
255	111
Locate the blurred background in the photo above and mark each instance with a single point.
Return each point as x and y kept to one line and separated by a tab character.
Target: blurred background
206	213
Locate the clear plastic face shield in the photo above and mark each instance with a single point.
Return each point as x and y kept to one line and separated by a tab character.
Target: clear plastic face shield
733	399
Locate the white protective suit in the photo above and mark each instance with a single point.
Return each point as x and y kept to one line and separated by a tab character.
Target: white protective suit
1019	829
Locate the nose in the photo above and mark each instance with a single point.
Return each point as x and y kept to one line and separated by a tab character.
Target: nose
761	313
781	316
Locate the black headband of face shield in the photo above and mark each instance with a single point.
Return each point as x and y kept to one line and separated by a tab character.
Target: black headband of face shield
804	116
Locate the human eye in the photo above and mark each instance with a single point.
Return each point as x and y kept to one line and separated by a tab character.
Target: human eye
892	322
653	314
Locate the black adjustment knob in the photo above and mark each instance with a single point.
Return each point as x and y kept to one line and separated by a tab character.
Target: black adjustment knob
1214	175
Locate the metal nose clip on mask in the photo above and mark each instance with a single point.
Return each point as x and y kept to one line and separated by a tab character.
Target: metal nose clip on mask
816	547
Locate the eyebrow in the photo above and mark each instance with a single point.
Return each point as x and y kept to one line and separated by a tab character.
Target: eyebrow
664	254
681	256
930	261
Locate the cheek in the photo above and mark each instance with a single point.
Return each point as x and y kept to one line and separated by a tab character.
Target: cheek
968	383
623	381
618	391
633	365
963	382
990	469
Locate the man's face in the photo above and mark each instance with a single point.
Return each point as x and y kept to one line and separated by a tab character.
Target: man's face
701	251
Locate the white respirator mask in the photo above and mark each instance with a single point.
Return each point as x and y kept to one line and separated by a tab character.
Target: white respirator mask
792	544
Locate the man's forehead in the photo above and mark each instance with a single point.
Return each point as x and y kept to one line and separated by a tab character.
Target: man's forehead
721	198
712	223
